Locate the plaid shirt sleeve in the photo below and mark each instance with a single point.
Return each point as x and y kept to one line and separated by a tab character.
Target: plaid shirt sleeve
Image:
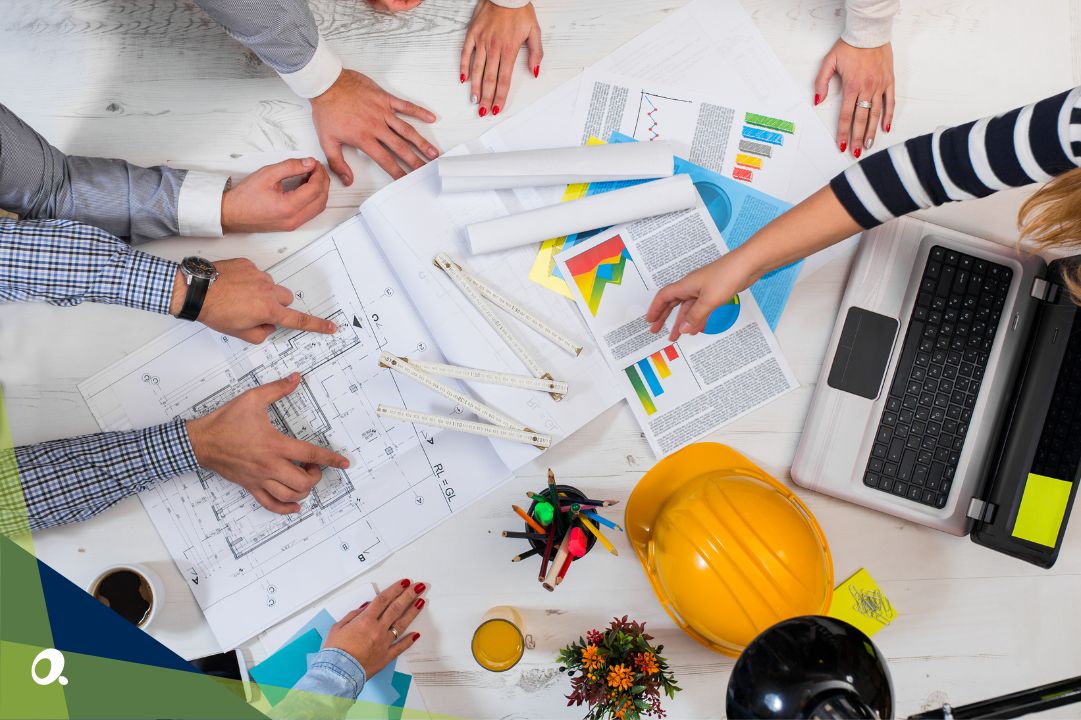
64	262
71	480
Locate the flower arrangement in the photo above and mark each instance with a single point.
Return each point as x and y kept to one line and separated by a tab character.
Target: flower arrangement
618	672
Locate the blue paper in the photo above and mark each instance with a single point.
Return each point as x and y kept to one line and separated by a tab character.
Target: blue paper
321	623
282	670
738	211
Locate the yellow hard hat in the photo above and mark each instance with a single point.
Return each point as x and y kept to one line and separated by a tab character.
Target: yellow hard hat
728	550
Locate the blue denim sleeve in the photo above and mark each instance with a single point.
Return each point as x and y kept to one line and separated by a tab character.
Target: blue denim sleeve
327	691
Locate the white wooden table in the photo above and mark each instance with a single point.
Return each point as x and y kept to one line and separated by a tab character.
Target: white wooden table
156	80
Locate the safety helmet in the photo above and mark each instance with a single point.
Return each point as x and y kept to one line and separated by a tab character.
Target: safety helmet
728	550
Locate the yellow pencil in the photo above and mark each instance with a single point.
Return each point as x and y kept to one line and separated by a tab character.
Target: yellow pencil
600	537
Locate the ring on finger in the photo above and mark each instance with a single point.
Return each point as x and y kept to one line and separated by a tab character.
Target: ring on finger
393	631
865	104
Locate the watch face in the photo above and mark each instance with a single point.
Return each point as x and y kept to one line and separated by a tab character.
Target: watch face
199	267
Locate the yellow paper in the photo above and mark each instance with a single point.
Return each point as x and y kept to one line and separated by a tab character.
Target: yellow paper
860	602
1043	507
544	266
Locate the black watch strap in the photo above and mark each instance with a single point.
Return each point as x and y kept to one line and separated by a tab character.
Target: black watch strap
193	301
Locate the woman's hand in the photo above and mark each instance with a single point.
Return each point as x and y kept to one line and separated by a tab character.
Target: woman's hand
366	632
699	294
393	6
491	47
866	76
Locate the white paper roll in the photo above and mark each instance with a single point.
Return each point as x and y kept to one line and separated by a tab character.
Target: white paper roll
597	211
557	166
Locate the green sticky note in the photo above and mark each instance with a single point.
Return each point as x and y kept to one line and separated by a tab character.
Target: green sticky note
1043	507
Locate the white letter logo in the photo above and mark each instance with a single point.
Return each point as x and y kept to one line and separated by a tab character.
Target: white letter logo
56	666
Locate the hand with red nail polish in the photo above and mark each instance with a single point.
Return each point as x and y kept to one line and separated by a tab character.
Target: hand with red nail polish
375	633
393	6
357	112
491	47
239	443
866	75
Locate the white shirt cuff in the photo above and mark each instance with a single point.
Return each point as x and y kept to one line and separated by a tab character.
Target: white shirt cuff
318	75
510	3
198	207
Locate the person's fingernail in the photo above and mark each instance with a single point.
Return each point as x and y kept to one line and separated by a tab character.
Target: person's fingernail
888	126
495	109
869	143
818	98
536	71
405	583
432	153
331	327
856	152
473	99
308	163
343	464
685	328
462	78
483	111
365	605
416	636
420	587
844	146
419	603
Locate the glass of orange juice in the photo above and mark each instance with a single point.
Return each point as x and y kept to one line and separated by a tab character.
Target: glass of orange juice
500	640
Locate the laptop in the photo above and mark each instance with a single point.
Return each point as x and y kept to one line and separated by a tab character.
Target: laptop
951	391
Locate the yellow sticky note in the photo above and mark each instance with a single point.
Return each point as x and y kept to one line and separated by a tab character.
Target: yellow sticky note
860	602
1043	507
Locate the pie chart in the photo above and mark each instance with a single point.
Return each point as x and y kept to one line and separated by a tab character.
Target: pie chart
716	201
723	317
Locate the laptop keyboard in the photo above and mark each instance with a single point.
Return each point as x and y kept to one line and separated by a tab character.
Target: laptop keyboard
948	342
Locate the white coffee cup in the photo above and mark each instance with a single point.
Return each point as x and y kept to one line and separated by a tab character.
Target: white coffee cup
137	599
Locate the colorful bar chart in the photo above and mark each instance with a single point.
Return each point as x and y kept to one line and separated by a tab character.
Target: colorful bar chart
597	268
759	136
647	376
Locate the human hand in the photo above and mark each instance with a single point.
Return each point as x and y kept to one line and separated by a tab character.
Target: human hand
699	294
365	632
244	302
393	6
355	111
491	46
238	442
259	202
866	75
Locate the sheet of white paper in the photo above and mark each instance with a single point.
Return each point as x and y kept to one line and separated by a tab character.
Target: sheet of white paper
656	197
413	222
555	166
754	145
337	604
247	567
679	391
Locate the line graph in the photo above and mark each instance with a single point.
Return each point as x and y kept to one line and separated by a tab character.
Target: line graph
654	110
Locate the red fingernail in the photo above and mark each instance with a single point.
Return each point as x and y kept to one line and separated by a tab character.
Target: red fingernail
818	98
419	603
483	111
405	583
856	152
536	71
495	109
844	146
461	78
888	127
416	636
420	587
365	605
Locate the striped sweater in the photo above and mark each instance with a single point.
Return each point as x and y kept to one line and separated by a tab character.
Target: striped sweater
1027	145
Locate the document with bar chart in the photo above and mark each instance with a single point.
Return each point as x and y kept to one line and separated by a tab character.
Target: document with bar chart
752	145
679	391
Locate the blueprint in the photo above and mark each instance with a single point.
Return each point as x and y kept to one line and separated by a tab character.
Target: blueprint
249	568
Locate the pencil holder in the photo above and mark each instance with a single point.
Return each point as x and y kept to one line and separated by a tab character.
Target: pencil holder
571	496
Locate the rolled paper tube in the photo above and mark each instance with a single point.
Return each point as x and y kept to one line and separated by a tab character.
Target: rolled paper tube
543	512
555	166
657	197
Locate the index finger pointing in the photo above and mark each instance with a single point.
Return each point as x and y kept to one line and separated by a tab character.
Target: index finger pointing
306	452
411	109
296	320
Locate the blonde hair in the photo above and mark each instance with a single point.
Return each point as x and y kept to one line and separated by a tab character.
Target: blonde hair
1052	219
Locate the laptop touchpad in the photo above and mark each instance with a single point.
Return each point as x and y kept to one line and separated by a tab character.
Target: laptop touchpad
863	353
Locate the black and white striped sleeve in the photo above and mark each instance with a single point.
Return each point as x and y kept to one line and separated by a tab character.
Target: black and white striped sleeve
1026	145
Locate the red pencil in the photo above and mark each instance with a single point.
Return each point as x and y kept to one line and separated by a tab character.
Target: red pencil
564	569
547	552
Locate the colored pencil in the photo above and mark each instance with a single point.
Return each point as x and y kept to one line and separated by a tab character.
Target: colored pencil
600	537
602	520
529	521
557	563
564	569
524	535
553	495
547	553
526	554
598	503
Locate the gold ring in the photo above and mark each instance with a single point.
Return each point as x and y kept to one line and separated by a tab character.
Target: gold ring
394	631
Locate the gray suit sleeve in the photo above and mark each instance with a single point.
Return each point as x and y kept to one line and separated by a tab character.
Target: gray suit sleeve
282	33
39	181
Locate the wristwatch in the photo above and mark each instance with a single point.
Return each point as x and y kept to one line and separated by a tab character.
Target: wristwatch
199	273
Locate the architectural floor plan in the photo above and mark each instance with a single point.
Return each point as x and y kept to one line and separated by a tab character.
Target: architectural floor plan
249	567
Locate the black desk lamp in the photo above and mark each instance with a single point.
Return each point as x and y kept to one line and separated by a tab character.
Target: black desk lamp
819	668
